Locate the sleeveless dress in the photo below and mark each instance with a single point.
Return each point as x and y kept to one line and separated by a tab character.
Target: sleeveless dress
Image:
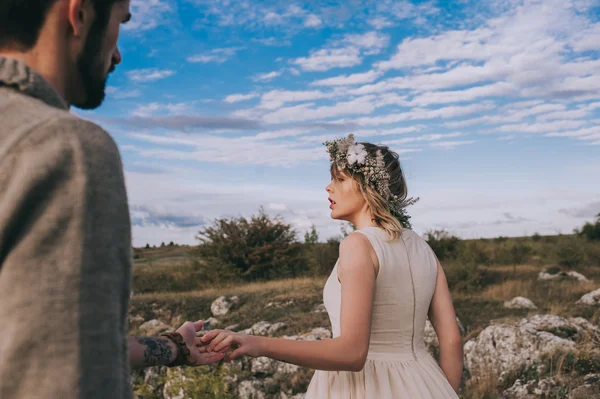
398	365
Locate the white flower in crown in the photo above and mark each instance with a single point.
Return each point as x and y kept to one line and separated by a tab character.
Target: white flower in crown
356	154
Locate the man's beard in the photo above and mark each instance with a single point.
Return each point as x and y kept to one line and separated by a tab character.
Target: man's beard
91	68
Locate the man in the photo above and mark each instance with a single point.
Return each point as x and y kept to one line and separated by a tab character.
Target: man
65	234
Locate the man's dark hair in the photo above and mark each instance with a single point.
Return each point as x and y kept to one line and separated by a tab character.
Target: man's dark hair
21	20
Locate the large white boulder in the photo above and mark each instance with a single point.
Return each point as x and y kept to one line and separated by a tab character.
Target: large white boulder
591	298
520	302
222	305
504	347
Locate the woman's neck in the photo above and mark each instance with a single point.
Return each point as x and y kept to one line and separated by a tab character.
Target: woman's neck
362	220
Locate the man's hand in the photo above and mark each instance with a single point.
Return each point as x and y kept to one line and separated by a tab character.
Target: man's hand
199	356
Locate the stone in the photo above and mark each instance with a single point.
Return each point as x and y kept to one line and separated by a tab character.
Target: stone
504	347
153	328
276	327
232	327
570	275
591	298
260	328
320	309
211	323
250	389
520	302
533	388
284	395
222	305
430	337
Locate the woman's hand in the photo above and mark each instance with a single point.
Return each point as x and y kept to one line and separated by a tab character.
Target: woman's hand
220	341
199	356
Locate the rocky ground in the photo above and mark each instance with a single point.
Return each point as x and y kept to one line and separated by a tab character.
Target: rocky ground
529	352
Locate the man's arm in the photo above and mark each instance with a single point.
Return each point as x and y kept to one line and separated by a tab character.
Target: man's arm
162	351
150	351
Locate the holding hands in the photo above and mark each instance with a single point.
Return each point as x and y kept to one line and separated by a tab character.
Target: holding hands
221	341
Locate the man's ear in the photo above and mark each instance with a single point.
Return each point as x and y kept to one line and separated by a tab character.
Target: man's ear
80	16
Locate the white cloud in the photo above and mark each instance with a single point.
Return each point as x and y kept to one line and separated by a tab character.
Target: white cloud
380	23
266	77
149	74
451	144
343	80
154	109
372	42
122	94
148	14
218	56
235	98
305	112
562	115
540	127
225	150
312	21
325	59
473	93
423	114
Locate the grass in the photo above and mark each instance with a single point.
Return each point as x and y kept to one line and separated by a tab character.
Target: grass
175	291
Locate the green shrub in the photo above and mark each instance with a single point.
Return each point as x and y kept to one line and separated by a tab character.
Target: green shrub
322	257
570	253
257	249
444	245
591	231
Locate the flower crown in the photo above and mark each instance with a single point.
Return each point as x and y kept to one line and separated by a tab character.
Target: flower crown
345	153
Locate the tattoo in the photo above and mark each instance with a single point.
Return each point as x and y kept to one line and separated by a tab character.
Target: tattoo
157	352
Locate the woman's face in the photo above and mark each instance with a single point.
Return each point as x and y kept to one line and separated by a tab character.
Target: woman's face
346	200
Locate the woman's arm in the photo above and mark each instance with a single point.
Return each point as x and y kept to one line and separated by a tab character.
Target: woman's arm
345	353
443	319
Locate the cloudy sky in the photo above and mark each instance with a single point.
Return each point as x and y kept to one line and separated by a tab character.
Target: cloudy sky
221	106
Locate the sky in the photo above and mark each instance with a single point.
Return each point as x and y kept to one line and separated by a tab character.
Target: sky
220	107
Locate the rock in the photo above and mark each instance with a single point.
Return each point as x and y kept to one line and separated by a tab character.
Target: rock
280	304
317	334
591	298
222	305
276	327
320	309
232	327
153	328
520	302
554	275
521	390
283	395
430	337
260	328
250	389
264	365
263	328
589	389
173	386
211	323
504	347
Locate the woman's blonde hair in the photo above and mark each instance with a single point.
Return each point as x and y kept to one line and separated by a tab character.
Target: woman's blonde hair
379	207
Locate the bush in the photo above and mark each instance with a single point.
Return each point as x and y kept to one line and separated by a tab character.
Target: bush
591	231
257	249
474	252
444	245
570	253
322	256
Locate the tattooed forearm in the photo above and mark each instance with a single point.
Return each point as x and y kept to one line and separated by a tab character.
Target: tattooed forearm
157	351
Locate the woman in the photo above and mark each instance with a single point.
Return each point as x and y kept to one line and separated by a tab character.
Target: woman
385	283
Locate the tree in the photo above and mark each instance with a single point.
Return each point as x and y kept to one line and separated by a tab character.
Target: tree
255	249
162	245
171	244
590	231
311	237
147	246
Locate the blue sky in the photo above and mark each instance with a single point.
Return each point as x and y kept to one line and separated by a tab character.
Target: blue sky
221	106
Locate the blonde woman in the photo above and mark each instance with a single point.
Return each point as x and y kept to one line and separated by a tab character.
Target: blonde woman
385	284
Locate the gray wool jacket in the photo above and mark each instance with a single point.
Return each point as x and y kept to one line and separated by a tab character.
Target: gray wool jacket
65	248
